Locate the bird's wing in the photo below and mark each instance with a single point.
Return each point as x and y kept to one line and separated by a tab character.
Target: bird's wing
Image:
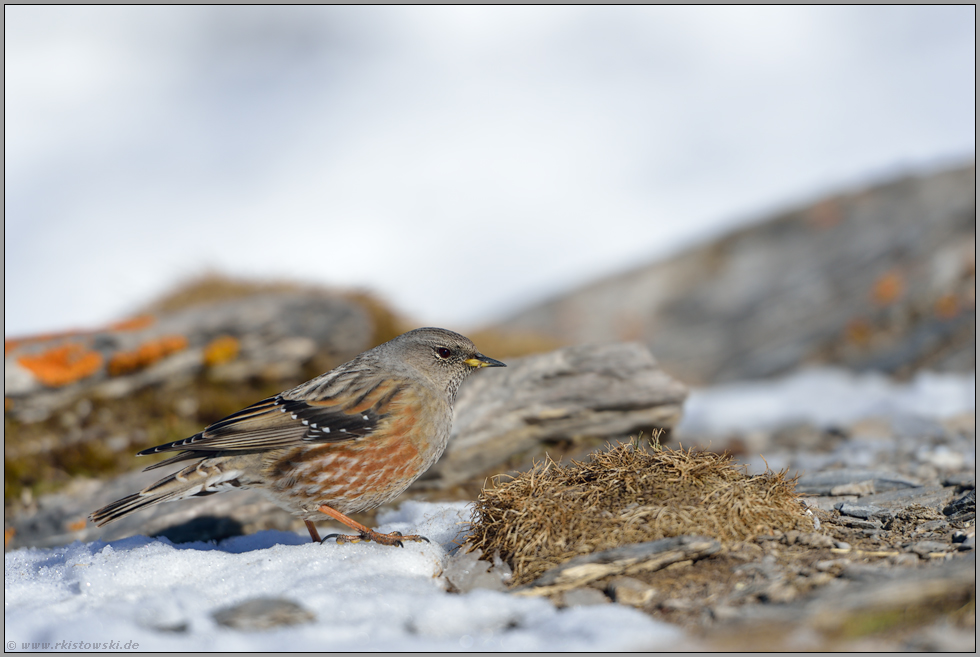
335	415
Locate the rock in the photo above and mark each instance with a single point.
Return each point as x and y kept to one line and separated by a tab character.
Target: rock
649	556
630	591
863	511
582	597
263	335
605	391
815	540
963	508
260	614
833	482
882	278
896	500
860	488
962	480
925	548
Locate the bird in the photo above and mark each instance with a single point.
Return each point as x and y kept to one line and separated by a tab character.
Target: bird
344	442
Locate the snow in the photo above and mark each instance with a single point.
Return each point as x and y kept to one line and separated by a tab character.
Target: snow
826	397
364	596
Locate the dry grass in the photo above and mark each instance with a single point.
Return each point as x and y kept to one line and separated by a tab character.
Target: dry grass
628	494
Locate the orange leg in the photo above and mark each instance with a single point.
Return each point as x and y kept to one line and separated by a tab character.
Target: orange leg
314	534
364	534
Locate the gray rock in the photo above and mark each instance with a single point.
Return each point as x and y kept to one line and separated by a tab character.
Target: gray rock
276	334
925	548
259	614
832	482
863	511
963	508
582	597
896	500
604	391
627	560
962	480
854	280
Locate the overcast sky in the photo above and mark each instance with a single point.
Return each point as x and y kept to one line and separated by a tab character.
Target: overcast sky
461	162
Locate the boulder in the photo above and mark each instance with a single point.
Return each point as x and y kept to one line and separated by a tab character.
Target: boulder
877	279
589	391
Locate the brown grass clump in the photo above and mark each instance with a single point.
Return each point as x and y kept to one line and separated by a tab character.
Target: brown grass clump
628	494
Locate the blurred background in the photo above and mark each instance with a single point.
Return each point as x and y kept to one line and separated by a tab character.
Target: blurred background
461	163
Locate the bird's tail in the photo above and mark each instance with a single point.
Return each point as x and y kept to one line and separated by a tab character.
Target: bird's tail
189	482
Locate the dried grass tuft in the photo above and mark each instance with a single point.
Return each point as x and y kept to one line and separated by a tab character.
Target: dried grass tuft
628	494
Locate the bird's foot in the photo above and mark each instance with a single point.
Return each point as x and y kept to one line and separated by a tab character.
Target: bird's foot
394	538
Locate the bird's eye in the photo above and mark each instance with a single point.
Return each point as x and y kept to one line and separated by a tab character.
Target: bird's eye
443	352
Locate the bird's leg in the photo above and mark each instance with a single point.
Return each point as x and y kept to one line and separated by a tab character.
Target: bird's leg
314	534
365	534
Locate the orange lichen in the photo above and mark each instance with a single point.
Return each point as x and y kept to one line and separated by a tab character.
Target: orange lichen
888	288
8	535
947	306
62	365
124	362
220	350
826	214
77	526
133	323
858	332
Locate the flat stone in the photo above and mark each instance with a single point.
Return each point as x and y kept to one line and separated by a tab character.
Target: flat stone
964	480
896	500
588	391
825	483
925	548
649	556
583	597
860	488
863	511
260	614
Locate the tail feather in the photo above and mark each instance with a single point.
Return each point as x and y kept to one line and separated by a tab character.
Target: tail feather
188	482
129	504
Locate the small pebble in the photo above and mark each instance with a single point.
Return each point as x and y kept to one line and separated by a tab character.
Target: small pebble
630	591
262	614
925	548
583	597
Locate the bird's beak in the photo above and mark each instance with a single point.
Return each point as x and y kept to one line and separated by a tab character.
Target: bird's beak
479	360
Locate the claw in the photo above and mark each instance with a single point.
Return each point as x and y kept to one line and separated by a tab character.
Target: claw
344	538
383	539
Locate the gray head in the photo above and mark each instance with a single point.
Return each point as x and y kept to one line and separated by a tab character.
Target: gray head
443	357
